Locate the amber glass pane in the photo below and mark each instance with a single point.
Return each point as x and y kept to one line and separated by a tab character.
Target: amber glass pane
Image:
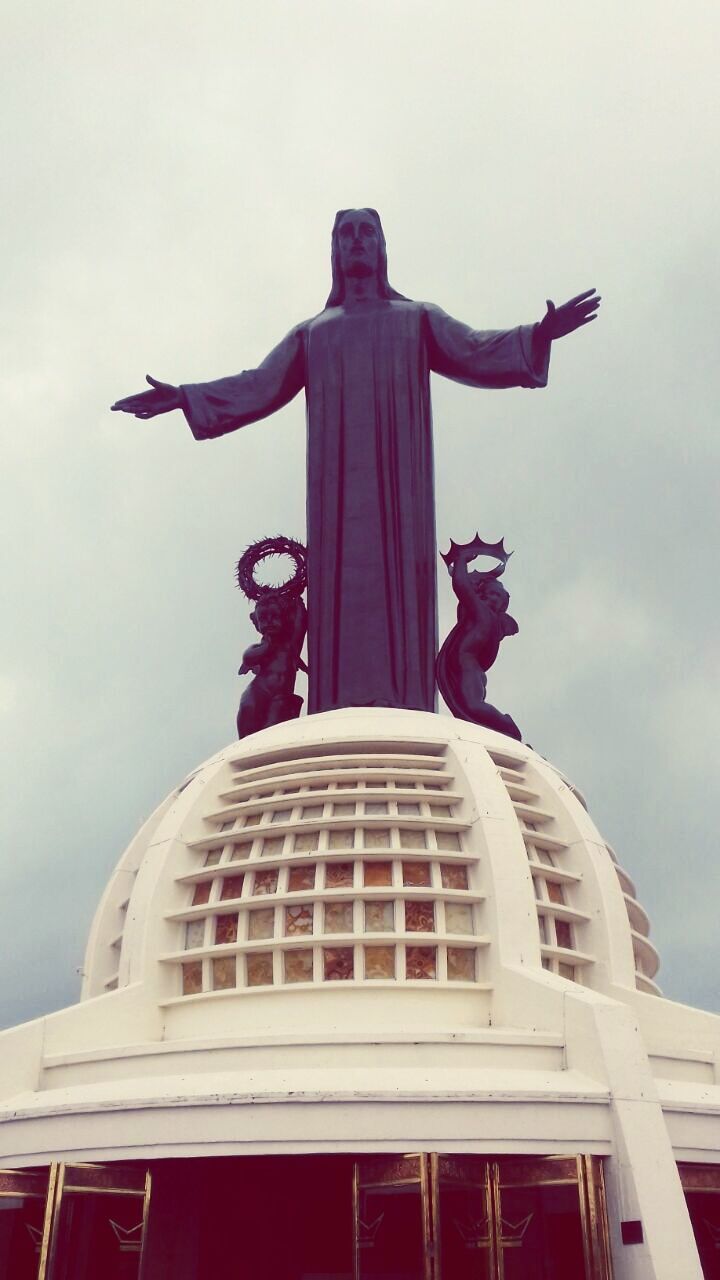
566	971
223	973
555	891
379	917
416	874
420	962
260	969
337	963
458	917
192	978
339	875
202	893
281	815
563	934
231	887
413	839
212	857
265	882
226	929
377	872
312	811
379	962
419	917
461	964
338	917
301	878
261	924
299	919
376	807
453	877
298	965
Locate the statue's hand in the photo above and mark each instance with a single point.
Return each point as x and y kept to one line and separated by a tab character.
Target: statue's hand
162	398
580	310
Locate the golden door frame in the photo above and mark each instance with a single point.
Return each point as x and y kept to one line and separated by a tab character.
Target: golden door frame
63	1180
490	1175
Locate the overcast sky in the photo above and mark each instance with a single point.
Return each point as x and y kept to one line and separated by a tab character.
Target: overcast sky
172	171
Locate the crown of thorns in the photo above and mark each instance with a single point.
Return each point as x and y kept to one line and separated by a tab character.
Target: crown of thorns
258	551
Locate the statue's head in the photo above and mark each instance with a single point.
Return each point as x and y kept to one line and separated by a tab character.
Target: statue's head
358	249
269	615
493	593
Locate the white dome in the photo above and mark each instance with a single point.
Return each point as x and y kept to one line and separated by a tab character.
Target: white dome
364	866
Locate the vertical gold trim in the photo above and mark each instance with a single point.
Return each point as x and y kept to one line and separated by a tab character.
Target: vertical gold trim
435	1213
586	1218
47	1221
356	1220
497	1255
58	1198
428	1267
145	1217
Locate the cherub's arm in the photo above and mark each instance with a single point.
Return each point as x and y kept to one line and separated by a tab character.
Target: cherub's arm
254	655
462	585
509	625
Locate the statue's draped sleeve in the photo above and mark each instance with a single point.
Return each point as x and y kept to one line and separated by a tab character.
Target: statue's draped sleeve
485	358
214	408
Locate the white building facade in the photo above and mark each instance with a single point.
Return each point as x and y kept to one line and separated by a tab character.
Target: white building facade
367	996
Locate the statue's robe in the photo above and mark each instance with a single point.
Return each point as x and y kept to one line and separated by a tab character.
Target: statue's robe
372	612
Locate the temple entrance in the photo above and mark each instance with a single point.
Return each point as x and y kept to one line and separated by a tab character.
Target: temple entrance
438	1217
318	1217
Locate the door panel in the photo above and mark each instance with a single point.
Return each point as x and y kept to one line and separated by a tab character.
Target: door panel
98	1224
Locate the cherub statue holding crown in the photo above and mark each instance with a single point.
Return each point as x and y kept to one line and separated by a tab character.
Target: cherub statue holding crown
472	646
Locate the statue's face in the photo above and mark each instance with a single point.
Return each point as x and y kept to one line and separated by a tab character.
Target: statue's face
358	244
496	597
268	617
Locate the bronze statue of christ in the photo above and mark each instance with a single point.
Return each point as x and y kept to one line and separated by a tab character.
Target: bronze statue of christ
365	363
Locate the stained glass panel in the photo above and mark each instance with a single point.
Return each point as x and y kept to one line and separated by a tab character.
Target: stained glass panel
212	857
272	847
311	811
338	964
338	917
194	933
449	840
343	810
379	917
300	878
223	973
281	815
453	877
420	962
408	808
377	838
377	872
298	965
241	851
376	807
555	891
226	929
261	924
265	882
306	842
192	978
339	875
461	964
419	917
379	962
458	917
341	839
201	893
563	934
260	969
412	839
416	874
299	919
231	887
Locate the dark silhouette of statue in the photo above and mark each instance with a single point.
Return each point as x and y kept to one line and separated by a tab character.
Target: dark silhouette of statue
281	618
364	363
472	646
